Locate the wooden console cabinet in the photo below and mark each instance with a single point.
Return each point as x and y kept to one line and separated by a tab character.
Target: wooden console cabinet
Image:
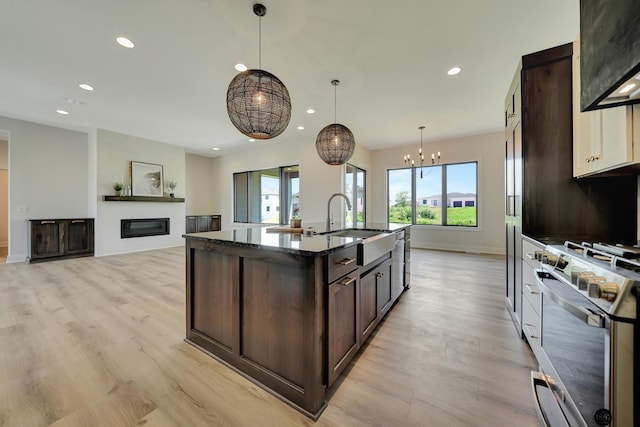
60	238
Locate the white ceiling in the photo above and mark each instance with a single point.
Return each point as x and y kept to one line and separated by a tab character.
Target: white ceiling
390	56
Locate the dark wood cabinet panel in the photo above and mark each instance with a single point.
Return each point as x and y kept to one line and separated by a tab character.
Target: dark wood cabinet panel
368	304
202	223
214	285
270	329
47	238
342	324
383	285
78	237
60	238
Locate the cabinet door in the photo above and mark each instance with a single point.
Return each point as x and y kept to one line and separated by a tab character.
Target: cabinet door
342	330
191	225
216	223
47	238
78	236
616	138
383	285
203	223
368	304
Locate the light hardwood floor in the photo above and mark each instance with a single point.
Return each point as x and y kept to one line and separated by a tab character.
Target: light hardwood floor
99	342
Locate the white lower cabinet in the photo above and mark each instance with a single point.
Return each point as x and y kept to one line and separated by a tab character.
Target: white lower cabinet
531	297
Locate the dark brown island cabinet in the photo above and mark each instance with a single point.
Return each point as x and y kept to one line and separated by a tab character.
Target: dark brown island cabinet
288	311
543	200
52	239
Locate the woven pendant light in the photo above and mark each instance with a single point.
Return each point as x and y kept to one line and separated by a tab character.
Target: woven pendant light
258	103
335	142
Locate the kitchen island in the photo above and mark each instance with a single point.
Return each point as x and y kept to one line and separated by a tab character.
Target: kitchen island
289	311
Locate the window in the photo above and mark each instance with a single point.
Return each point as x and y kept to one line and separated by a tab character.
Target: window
355	183
416	196
259	195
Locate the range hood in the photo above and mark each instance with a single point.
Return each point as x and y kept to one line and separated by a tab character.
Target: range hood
609	53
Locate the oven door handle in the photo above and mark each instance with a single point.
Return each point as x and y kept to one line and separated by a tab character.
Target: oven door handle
538	381
585	315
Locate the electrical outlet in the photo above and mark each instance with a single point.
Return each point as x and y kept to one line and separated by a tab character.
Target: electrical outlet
23	209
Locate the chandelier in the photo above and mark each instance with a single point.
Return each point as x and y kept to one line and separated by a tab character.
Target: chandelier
258	103
335	142
408	161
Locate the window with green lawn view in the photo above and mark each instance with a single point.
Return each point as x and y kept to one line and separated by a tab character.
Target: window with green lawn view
415	198
268	196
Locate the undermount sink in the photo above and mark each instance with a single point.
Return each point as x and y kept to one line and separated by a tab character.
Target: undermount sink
373	245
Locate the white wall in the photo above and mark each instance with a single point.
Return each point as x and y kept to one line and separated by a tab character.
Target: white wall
318	181
114	153
47	177
201	185
488	150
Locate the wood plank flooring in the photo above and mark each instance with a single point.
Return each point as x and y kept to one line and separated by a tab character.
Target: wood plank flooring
99	342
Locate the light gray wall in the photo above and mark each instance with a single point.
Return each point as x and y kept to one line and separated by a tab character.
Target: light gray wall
115	151
488	150
47	177
318	181
201	185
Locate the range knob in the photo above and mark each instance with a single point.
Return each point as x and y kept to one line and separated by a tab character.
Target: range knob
603	290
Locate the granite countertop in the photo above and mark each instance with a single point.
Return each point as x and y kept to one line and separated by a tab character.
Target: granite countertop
316	245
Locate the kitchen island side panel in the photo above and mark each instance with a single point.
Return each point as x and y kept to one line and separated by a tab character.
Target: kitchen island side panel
272	296
212	295
269	309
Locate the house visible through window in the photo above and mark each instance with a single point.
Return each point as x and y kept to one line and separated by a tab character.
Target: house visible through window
259	195
355	190
416	200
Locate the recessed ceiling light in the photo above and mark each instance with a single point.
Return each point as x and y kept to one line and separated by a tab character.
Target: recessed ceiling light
125	42
85	86
453	71
241	67
63	112
252	140
310	111
300	127
627	88
216	149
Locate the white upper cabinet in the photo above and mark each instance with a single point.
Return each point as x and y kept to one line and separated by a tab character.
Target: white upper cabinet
602	139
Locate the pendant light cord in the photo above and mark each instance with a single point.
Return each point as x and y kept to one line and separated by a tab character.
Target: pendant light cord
335	103
260	43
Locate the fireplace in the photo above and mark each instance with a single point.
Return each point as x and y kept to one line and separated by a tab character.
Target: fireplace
143	227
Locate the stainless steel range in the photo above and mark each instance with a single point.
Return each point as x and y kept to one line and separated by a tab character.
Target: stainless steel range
590	363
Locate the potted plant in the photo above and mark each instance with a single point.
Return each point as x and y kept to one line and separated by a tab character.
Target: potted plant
171	185
296	221
118	187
